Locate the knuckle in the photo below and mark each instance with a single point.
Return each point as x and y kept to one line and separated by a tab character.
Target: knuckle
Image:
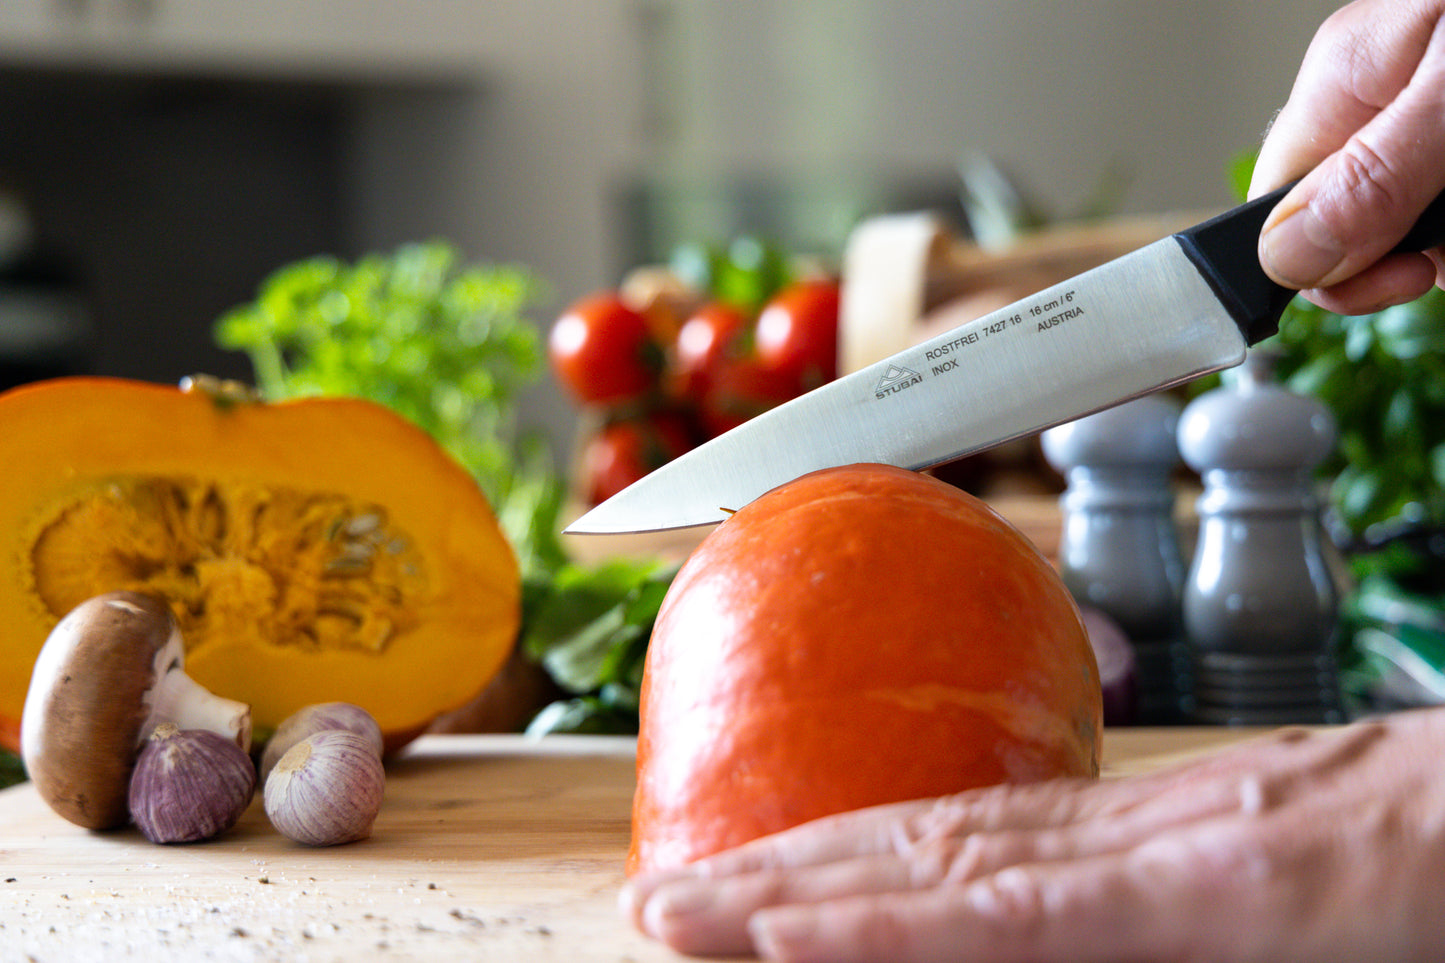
1365	189
957	861
1346	54
1369	175
1216	857
928	864
1013	900
946	815
967	861
935	862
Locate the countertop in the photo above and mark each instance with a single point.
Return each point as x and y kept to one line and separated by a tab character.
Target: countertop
488	847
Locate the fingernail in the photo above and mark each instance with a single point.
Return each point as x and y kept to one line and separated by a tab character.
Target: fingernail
1299	250
630	902
681	898
661	910
636	892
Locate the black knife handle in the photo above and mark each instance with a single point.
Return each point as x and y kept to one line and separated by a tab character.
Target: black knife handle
1225	249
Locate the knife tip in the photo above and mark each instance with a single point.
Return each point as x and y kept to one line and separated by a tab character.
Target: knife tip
600	523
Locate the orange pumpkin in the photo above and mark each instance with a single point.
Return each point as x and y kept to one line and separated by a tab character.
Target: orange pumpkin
314	550
859	636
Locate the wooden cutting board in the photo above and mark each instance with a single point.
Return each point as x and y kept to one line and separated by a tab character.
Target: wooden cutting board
487	848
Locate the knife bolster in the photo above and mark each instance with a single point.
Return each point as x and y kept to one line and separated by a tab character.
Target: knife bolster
1225	249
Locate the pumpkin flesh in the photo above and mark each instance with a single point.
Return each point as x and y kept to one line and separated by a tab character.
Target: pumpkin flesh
860	636
315	550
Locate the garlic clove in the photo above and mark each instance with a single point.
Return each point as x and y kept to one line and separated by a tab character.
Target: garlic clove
318	718
326	789
189	785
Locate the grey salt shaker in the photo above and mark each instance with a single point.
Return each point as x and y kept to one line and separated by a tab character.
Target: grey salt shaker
1119	548
1260	602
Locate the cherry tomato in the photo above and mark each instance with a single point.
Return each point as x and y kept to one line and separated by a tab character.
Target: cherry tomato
702	344
742	388
603	352
797	334
629	448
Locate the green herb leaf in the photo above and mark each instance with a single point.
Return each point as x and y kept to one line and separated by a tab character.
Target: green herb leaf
1383	378
586	715
12	770
592	628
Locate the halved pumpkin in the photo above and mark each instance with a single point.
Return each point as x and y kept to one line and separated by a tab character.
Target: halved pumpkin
314	550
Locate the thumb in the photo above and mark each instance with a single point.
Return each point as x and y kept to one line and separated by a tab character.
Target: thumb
1362	197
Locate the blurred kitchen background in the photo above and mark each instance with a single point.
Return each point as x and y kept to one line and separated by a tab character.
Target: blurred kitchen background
159	157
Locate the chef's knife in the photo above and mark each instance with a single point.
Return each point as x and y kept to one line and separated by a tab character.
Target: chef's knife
1185	306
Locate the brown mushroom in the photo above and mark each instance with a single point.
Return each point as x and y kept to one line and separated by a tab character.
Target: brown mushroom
108	674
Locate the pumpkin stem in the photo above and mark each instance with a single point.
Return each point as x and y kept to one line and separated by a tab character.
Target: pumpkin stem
224	392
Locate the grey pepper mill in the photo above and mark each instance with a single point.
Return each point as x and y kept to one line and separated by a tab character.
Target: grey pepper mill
1119	548
1260	603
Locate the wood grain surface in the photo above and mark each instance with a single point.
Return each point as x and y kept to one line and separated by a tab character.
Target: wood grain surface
487	848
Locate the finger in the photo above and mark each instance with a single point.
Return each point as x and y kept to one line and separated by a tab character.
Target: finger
1137	906
1352	209
1361	198
1000	919
1321	110
847	835
1392	280
706	914
959	859
709	917
1358	62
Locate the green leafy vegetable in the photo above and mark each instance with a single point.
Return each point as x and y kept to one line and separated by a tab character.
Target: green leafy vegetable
589	629
12	771
1383	377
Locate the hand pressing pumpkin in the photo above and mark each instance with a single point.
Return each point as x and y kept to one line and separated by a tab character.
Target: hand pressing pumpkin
315	550
859	636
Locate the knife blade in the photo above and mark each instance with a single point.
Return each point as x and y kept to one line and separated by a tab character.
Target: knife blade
1174	310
